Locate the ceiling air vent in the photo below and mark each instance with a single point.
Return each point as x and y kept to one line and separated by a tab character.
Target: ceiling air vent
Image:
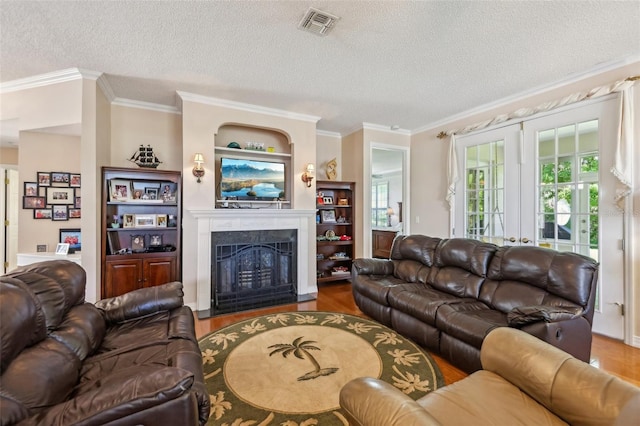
317	22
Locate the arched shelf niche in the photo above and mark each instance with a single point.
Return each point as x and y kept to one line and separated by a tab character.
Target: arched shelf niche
272	145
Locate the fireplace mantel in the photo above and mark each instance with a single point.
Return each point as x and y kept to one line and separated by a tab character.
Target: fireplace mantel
216	220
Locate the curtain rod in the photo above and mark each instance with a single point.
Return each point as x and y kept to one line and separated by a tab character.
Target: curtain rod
522	112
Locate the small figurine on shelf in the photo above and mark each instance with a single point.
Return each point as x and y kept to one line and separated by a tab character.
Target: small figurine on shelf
115	223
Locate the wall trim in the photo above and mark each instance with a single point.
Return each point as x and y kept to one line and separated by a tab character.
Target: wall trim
145	105
328	133
40	80
573	78
383	128
246	107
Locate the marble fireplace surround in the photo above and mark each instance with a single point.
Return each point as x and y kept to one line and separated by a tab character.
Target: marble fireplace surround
220	220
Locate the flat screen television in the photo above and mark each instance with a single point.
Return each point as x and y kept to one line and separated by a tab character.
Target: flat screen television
251	179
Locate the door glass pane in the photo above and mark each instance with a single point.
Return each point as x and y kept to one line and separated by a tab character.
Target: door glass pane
567	188
484	195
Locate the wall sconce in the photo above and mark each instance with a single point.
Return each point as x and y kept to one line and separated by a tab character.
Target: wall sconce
307	176
198	170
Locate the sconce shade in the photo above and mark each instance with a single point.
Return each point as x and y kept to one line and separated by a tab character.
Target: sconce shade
198	170
307	176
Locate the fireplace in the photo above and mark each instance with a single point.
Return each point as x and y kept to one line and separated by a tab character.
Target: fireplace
228	221
252	269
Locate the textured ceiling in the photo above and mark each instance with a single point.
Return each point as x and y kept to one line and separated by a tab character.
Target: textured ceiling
386	62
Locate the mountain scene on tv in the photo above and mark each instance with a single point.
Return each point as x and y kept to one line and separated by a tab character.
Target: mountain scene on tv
245	178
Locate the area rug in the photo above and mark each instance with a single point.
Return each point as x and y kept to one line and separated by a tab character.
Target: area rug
288	368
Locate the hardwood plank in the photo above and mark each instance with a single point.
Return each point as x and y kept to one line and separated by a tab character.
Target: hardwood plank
608	354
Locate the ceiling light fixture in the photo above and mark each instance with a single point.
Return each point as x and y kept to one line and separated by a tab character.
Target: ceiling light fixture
317	22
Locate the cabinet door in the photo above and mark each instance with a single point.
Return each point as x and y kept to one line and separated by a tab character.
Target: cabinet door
122	276
159	270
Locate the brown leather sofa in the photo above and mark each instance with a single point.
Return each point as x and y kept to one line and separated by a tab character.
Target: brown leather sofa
128	360
448	294
524	381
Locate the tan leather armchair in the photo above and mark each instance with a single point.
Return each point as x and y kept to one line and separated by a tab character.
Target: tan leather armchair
523	381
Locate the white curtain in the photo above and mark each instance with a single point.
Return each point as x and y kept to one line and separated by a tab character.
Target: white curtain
622	167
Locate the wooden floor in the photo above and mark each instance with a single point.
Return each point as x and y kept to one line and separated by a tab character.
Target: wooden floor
607	354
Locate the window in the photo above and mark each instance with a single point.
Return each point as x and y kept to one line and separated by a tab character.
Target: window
380	203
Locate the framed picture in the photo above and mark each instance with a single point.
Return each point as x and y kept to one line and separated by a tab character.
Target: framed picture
137	194
137	243
114	242
44	179
62	249
43	214
155	241
145	221
327	200
128	220
60	212
31	189
328	216
77	203
172	221
33	202
71	236
151	193
75	213
161	221
343	201
168	193
57	195
41	248
119	190
74	180
59	179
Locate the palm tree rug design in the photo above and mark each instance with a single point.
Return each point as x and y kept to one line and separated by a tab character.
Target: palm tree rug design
288	368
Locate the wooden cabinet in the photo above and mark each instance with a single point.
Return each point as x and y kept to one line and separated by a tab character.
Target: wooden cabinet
335	244
382	241
141	229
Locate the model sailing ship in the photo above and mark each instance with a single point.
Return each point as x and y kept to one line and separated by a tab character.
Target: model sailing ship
144	157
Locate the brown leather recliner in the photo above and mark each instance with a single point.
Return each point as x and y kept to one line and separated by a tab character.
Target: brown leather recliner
131	359
448	294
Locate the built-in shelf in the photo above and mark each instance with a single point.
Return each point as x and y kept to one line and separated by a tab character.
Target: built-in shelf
250	152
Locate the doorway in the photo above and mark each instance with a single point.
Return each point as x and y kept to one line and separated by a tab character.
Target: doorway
547	183
10	205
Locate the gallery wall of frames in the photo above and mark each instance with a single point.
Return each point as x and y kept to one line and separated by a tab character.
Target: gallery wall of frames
54	196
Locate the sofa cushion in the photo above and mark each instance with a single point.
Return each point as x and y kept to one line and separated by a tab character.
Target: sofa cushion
508	295
568	275
469	322
456	281
471	255
411	271
527	314
376	287
420	301
415	247
82	330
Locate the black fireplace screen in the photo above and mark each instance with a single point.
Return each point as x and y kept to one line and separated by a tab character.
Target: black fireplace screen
253	269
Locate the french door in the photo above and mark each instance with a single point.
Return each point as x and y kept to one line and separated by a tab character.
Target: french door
547	183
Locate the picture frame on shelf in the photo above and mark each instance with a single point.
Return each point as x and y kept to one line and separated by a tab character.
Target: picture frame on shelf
31	189
62	249
138	243
155	240
172	221
33	202
328	216
60	178
119	190
44	178
43	214
60	195
151	193
114	242
71	236
168	192
60	212
161	221
145	221
343	201
128	220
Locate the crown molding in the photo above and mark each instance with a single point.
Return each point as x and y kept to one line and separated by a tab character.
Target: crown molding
382	128
61	76
573	78
328	133
130	103
207	100
104	85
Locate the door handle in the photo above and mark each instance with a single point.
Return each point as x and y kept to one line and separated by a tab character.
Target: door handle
525	240
511	240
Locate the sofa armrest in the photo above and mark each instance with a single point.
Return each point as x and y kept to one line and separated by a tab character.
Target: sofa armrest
372	402
522	315
117	397
372	267
142	302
